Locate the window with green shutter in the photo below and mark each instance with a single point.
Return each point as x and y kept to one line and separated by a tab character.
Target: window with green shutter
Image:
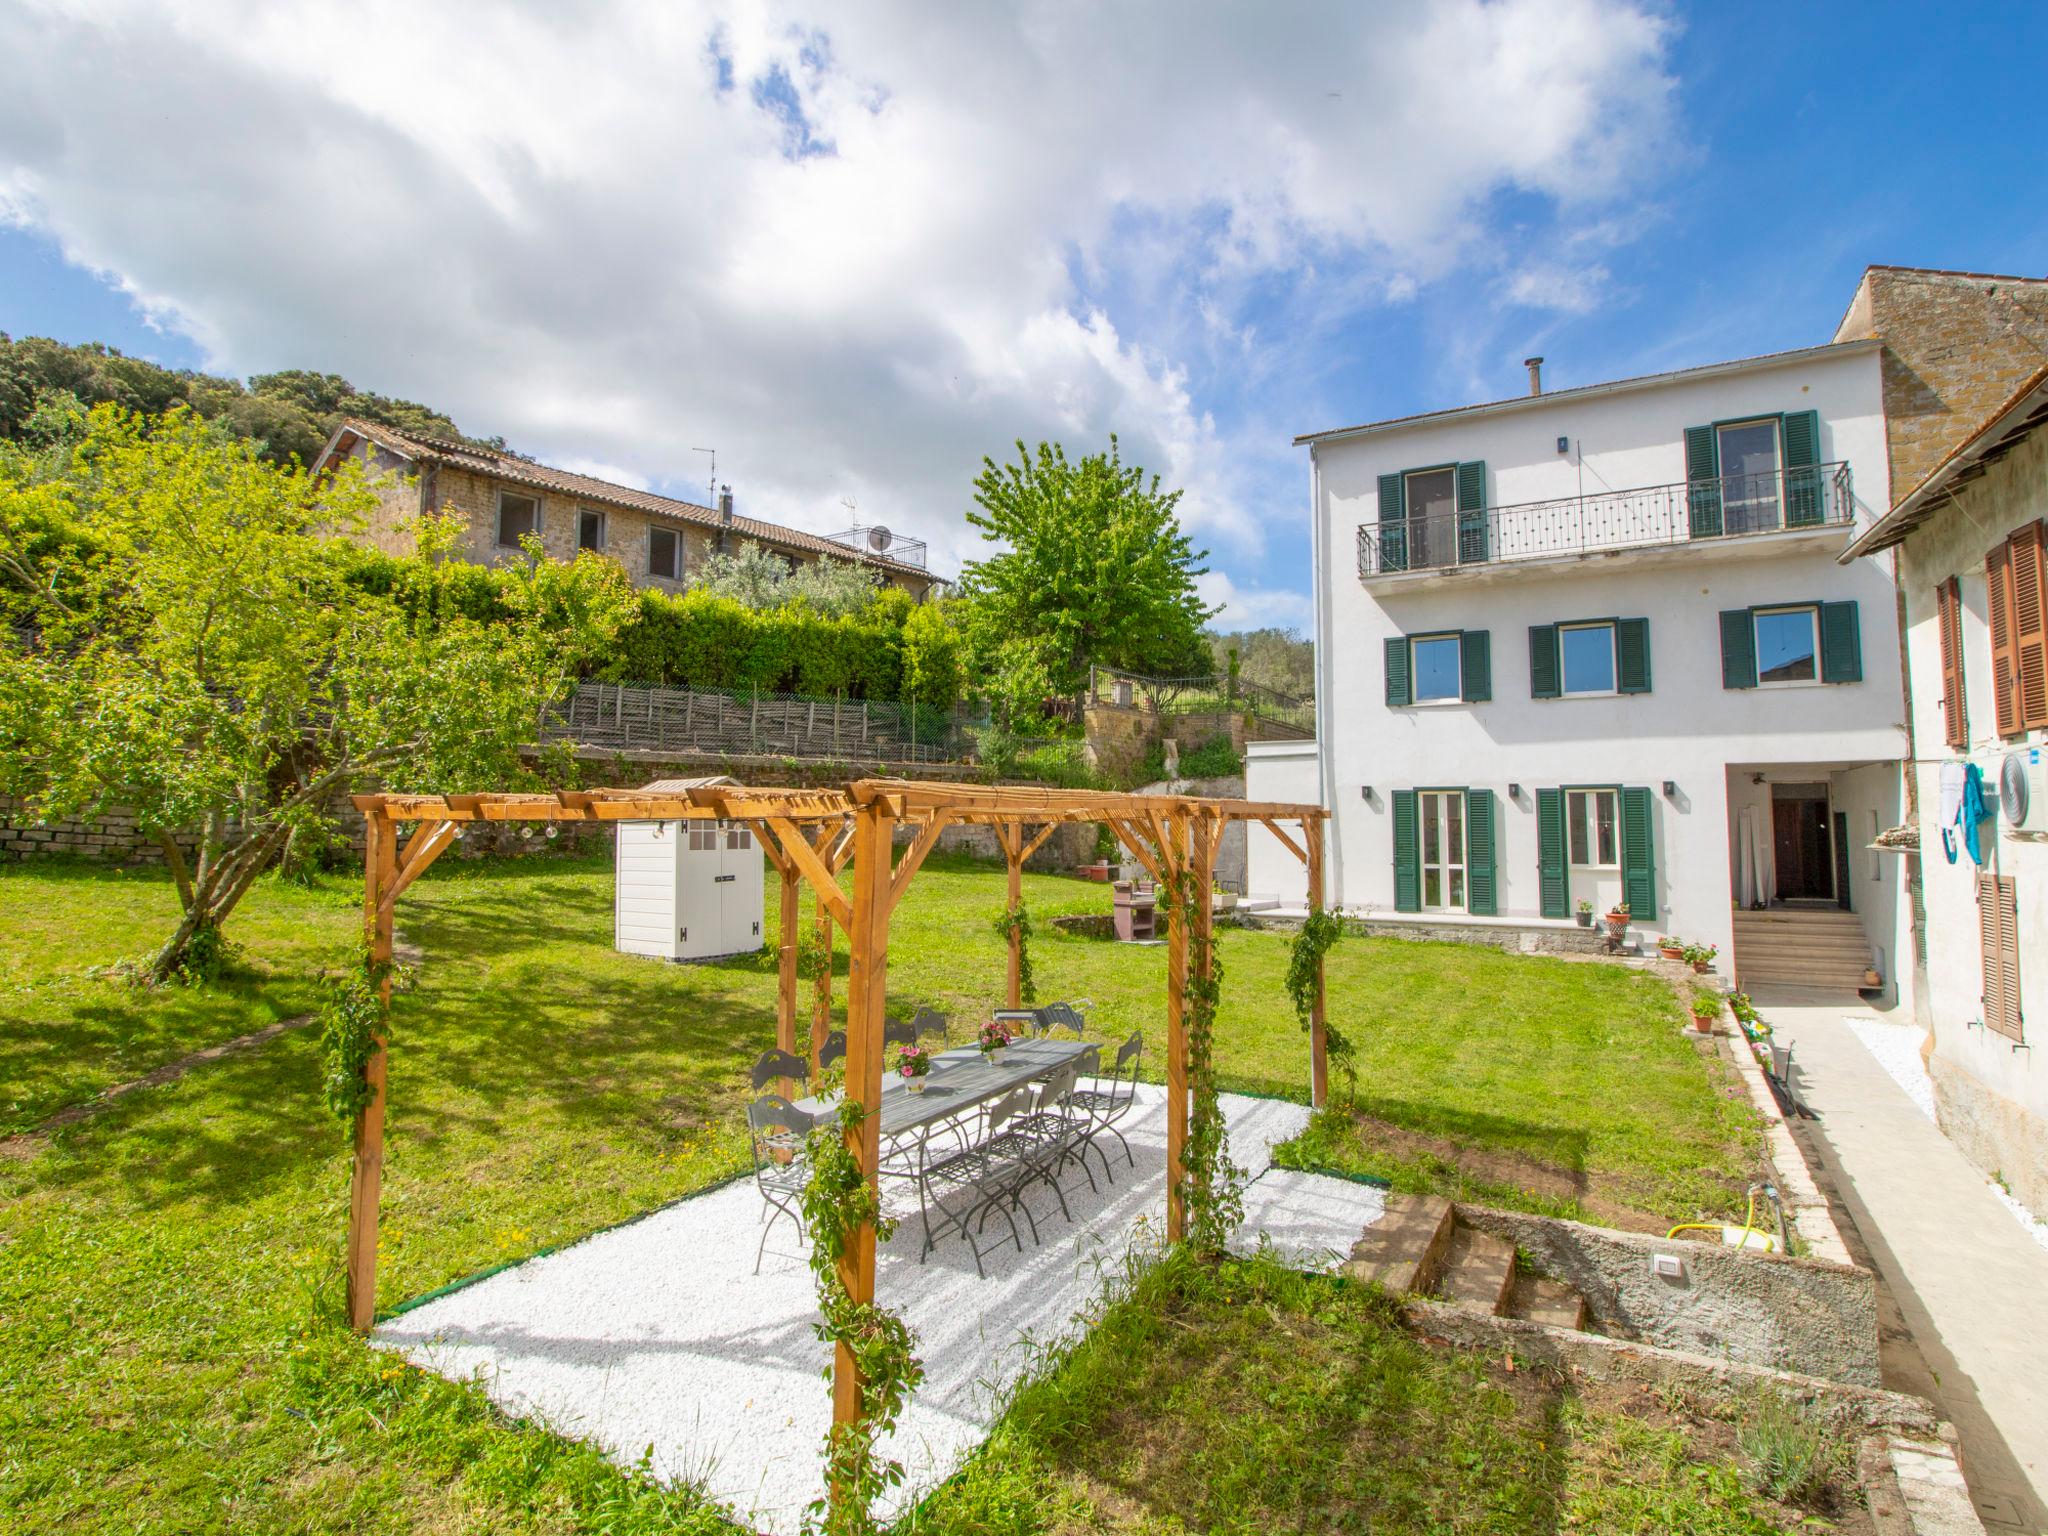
1803	505
1791	644
1482	889
1703	483
1475	665
1632	652
1454	666
1546	678
1550	869
1473	543
1407	854
1638	855
1399	689
1394	522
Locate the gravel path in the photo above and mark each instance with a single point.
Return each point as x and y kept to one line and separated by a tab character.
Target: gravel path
658	1338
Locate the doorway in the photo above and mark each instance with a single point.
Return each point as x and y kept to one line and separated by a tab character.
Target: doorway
1443	849
1802	841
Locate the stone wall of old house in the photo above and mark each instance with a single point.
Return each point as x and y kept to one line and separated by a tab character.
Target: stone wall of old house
1956	346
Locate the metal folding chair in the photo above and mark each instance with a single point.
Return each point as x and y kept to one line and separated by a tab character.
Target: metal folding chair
898	1032
928	1022
778	1065
834	1049
1106	1105
781	1169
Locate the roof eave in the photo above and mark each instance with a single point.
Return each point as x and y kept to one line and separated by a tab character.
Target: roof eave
1592	391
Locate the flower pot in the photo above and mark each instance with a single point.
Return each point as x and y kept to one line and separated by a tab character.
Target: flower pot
1703	1022
1672	951
1871	980
995	1057
1700	966
1585	919
915	1085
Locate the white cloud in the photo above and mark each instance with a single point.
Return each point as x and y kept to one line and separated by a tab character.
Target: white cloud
1256	607
856	270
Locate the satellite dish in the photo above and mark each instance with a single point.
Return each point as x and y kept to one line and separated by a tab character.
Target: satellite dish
880	538
2013	788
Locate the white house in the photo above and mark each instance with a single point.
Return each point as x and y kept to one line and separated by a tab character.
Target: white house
1969	542
1592	646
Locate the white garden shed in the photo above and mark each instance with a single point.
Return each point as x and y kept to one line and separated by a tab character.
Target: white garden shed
687	890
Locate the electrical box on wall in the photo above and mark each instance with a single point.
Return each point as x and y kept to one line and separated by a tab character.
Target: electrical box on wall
687	890
2023	793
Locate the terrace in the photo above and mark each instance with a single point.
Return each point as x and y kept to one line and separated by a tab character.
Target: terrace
1725	512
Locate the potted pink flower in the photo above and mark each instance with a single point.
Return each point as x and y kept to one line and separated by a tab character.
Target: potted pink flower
913	1065
995	1039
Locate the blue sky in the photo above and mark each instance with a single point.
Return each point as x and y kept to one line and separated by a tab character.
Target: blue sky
899	248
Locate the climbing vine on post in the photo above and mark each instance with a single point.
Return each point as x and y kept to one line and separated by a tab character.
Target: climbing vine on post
1318	936
1018	921
352	1015
836	1201
1213	1192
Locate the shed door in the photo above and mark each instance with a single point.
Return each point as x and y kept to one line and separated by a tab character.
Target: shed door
739	891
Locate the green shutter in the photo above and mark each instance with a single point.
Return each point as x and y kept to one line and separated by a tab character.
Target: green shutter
1841	644
1475	666
1703	492
1546	672
1550	852
1482	891
1407	856
1638	856
1473	544
1632	655
1393	522
1803	505
1397	671
1738	649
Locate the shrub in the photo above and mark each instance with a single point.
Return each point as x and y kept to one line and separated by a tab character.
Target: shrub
1788	1455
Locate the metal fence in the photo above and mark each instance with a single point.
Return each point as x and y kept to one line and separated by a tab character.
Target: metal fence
1691	511
711	723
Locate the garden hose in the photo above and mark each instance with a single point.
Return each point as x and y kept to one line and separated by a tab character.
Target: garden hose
1748	1226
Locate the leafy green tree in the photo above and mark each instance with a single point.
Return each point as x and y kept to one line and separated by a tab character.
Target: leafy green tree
1093	570
760	579
931	659
178	635
1273	658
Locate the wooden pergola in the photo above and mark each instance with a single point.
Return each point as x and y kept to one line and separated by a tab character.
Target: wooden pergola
810	836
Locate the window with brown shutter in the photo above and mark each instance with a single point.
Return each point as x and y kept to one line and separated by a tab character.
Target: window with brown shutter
2004	659
2029	625
1999	928
1948	614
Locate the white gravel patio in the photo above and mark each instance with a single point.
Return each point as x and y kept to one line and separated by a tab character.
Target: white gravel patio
658	1338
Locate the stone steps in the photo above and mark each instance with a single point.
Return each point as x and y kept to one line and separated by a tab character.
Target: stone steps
1798	946
1420	1247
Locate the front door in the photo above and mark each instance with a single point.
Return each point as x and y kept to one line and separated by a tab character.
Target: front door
1801	842
1442	812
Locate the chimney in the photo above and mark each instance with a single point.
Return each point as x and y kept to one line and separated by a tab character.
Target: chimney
725	505
1535	367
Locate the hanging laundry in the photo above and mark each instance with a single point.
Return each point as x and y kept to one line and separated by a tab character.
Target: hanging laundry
1973	812
1951	806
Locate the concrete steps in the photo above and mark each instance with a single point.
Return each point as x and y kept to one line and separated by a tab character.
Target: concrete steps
1799	946
1420	1247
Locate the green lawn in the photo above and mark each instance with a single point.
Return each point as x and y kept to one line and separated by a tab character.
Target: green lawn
170	1283
1247	1399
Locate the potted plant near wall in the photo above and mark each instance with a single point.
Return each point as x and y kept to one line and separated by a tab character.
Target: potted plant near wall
913	1065
1706	1007
1585	914
1617	922
1671	947
1701	956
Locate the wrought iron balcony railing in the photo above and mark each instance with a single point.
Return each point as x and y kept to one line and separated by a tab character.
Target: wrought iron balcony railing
1692	511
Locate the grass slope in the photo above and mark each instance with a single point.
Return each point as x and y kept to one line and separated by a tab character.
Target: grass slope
170	1282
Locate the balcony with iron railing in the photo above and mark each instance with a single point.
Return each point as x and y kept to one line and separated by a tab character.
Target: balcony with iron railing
1705	512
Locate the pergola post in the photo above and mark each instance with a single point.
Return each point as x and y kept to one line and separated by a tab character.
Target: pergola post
1318	1045
1173	854
786	958
366	1176
1011	837
866	1001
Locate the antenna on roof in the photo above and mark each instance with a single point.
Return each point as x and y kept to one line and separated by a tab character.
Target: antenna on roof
711	496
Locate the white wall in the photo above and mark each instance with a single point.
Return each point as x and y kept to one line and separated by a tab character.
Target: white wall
1286	772
2005	1130
1688	729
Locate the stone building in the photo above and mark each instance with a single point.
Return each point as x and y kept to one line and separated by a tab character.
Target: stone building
660	540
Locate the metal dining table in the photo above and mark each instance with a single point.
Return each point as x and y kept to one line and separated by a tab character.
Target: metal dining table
961	1080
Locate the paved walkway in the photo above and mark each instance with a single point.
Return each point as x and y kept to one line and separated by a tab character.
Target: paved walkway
658	1337
1970	1282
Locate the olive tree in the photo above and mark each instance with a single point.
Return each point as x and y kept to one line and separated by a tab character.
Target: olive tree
180	639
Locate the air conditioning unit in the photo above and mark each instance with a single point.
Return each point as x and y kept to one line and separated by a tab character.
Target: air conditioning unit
2023	793
880	538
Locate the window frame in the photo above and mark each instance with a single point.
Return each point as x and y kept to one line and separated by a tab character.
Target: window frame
676	574
1613	689
538	530
1585	795
1447	866
1812	612
1777	425
1415	699
603	529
